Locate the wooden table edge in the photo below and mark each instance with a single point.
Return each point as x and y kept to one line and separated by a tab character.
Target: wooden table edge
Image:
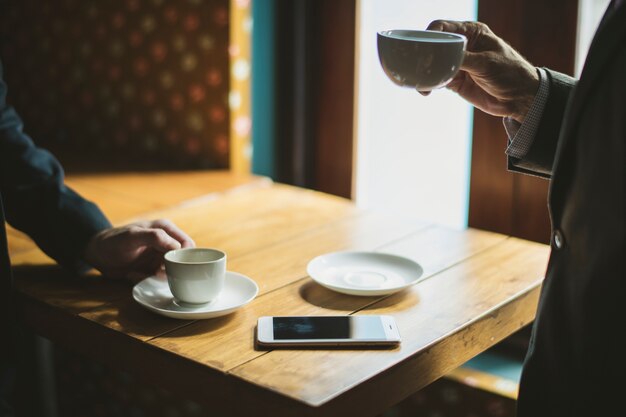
154	365
522	304
45	320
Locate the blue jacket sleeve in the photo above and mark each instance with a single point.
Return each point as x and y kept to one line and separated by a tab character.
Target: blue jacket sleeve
36	200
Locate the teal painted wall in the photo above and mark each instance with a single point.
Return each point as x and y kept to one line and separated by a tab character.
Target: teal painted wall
263	88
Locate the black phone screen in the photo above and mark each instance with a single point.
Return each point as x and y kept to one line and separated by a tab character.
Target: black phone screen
344	327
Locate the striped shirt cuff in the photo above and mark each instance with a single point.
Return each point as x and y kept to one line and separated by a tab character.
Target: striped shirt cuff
522	135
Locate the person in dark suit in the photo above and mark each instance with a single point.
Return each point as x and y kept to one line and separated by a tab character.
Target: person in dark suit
68	228
572	132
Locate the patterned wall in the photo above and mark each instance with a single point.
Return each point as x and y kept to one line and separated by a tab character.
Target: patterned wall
128	83
239	97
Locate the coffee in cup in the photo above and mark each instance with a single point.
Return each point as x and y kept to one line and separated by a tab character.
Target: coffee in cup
420	59
195	275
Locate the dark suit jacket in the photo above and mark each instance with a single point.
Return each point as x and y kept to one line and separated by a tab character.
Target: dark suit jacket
34	200
575	363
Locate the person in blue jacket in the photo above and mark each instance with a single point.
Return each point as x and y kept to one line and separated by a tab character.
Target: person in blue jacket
68	228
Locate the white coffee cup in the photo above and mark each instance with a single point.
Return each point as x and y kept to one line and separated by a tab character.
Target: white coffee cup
195	275
420	59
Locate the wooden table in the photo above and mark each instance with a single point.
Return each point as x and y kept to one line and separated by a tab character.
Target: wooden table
478	288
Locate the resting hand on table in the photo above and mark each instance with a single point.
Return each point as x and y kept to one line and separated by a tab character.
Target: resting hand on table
136	250
494	77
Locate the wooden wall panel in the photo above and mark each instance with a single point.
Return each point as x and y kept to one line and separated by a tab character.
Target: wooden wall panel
491	186
333	165
315	93
499	200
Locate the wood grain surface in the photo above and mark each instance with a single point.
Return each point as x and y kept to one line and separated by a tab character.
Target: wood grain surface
477	288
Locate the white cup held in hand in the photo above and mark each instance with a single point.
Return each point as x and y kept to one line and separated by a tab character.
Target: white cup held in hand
420	59
195	275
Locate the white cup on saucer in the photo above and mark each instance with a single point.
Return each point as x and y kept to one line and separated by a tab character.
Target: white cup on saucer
195	275
420	59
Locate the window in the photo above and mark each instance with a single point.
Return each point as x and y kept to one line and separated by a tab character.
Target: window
590	13
412	152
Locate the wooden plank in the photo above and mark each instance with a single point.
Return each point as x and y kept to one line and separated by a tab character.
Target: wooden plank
490	285
154	190
57	287
235	397
222	342
11	231
150	364
395	384
237	222
439	323
229	343
438	248
116	207
131	196
18	242
31	257
128	195
271	267
285	262
234	217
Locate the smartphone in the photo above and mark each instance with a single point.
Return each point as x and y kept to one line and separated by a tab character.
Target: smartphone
327	331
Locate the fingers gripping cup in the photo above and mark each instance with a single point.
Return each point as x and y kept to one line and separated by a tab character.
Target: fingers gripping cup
195	275
420	59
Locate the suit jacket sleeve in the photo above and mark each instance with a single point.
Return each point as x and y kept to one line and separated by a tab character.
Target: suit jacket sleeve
540	157
36	201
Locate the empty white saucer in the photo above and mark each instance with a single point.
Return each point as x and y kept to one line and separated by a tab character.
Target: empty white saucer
364	273
154	294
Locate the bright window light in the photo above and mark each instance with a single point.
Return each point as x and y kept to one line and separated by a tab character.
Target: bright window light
413	152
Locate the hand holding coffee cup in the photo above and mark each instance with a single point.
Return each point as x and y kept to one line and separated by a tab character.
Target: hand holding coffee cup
420	59
494	77
195	275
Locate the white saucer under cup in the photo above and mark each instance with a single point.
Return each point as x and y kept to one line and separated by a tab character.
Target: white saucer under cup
154	294
364	273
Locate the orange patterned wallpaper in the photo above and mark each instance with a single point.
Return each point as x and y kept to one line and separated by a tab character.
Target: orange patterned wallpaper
132	83
239	96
